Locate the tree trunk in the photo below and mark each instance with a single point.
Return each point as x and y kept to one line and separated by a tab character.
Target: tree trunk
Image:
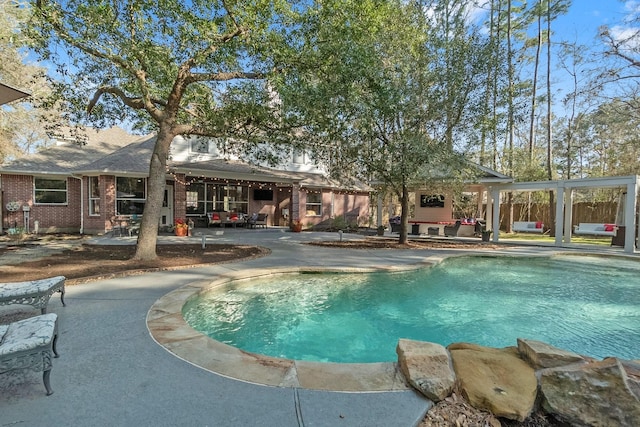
534	94
404	215
146	248
552	208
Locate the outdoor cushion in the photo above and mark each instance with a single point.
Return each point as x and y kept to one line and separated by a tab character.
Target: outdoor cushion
609	227
539	224
28	334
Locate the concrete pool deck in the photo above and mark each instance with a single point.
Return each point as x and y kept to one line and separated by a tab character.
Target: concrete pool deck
111	372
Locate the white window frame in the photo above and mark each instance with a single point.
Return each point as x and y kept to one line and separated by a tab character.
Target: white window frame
142	200
37	190
94	197
313	206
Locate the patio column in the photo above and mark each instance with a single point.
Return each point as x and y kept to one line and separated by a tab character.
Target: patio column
379	209
495	213
630	209
559	215
568	214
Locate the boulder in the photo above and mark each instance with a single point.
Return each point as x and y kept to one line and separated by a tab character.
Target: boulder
542	355
632	368
594	394
495	380
427	367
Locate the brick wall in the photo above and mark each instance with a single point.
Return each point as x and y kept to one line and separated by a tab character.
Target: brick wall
51	218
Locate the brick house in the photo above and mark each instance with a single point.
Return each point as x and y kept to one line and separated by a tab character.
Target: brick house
74	187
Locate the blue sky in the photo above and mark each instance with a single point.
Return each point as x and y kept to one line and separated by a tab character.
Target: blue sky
586	16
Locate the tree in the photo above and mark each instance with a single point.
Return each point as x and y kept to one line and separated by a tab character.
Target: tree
386	91
22	126
174	67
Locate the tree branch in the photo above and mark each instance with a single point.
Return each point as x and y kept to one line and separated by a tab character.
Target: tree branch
221	77
135	103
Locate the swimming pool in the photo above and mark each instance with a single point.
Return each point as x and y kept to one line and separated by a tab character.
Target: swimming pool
589	305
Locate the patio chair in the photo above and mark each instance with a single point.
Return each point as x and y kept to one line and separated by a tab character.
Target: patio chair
257	220
452	230
213	219
117	227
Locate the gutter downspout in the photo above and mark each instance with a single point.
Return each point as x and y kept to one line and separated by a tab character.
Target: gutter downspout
81	203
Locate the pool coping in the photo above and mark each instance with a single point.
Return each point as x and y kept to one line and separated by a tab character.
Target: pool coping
169	329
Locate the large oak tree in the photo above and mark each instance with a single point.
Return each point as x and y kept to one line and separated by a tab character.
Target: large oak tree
175	67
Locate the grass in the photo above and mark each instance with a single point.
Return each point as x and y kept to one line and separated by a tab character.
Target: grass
583	240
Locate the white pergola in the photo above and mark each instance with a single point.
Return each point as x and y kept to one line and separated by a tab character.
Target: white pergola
564	204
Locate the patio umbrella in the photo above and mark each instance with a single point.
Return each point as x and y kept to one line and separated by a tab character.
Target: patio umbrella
8	94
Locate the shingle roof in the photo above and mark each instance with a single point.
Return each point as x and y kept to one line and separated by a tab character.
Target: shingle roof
115	152
65	159
228	169
132	159
220	168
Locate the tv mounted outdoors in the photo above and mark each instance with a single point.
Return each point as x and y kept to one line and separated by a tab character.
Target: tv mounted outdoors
262	194
431	201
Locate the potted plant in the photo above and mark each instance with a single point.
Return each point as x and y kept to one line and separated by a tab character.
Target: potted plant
381	230
296	226
181	228
486	235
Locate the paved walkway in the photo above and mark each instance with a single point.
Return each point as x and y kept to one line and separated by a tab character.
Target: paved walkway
112	373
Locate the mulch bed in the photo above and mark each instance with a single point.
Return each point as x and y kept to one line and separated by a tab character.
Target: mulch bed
92	262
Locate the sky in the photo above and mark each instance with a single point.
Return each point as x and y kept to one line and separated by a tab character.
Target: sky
584	18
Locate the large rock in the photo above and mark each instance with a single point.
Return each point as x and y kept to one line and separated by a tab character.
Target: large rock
427	367
542	355
595	394
632	368
495	380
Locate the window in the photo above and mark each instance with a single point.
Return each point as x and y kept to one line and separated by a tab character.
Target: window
314	204
131	195
231	198
195	199
94	196
199	146
50	191
298	156
210	197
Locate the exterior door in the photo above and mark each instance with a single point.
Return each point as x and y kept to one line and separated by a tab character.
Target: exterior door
166	213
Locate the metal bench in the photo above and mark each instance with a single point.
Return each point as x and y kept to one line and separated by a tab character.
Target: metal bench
29	344
35	292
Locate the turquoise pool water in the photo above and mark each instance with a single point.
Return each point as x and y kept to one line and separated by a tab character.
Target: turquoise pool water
588	305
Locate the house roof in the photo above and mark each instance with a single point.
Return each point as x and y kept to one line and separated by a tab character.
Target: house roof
487	175
8	94
132	159
68	157
228	169
115	152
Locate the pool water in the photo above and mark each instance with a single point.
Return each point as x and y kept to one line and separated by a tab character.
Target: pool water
588	305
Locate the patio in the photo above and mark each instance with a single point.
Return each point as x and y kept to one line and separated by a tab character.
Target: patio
111	372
